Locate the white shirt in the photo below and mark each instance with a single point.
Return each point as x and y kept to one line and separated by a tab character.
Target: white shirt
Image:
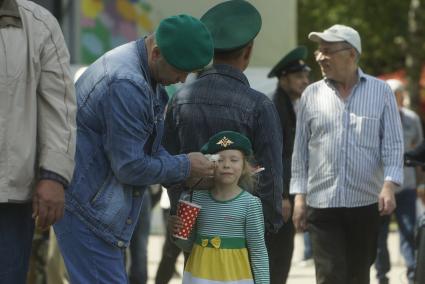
345	149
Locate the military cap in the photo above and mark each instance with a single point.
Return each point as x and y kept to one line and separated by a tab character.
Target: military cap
227	140
184	42
233	24
290	63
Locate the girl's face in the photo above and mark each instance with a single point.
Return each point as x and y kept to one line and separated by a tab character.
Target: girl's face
229	167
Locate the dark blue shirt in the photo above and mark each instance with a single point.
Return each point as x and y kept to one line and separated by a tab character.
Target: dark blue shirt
221	99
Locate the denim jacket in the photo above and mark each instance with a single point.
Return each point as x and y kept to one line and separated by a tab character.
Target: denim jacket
221	99
120	122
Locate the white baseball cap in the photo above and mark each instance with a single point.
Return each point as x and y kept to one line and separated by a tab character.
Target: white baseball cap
338	33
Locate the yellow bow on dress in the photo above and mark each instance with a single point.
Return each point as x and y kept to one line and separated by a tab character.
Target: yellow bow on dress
215	242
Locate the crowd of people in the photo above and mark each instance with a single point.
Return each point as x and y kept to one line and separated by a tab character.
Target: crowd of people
80	158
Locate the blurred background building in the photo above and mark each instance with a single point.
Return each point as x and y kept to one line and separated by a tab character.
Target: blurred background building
92	27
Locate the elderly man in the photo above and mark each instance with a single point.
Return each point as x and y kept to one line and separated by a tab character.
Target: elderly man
293	77
121	105
347	161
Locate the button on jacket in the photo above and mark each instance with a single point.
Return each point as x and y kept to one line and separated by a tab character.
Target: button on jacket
221	99
37	101
120	123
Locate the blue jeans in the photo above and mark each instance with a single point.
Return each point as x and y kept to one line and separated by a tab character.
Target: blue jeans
88	258
138	273
16	232
406	219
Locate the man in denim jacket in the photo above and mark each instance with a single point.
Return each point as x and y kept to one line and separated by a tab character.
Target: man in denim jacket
221	99
121	105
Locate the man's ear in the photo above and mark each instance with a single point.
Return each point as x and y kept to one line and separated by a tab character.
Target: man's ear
156	53
248	51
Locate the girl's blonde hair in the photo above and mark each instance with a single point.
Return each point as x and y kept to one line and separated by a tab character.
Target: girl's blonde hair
247	180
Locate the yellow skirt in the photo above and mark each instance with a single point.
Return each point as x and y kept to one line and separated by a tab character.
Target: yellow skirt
218	265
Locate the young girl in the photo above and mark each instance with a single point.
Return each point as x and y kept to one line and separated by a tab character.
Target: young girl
227	242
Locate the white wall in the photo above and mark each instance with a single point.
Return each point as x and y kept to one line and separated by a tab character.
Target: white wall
277	35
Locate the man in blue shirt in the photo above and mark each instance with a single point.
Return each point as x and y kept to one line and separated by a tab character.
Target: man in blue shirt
347	159
121	106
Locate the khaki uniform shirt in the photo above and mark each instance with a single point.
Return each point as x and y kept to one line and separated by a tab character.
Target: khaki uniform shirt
37	100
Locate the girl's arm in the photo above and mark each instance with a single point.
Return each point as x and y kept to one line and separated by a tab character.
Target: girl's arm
186	245
254	234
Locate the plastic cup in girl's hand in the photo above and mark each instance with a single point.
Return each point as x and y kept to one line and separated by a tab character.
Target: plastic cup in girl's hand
188	212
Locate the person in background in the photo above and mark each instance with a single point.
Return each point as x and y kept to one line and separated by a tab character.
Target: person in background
416	158
170	251
420	241
293	77
405	198
347	160
37	130
121	106
138	249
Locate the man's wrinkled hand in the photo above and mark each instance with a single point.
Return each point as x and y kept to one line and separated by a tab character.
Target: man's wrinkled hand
299	216
421	193
48	203
386	202
175	223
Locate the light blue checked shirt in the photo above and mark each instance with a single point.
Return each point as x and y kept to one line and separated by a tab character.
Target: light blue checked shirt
344	150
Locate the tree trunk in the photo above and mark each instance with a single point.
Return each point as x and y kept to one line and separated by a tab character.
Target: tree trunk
414	52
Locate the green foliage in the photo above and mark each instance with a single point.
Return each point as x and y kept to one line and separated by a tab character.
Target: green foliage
383	27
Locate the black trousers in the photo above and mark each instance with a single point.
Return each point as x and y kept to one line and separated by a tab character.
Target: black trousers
280	247
344	243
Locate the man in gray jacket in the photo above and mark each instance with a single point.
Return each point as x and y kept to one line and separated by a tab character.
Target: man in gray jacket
37	129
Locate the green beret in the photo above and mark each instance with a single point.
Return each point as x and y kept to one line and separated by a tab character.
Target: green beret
232	24
227	140
291	62
184	42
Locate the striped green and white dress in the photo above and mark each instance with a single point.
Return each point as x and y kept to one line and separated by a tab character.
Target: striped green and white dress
227	244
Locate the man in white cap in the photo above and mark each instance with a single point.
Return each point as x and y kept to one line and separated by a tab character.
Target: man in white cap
347	160
405	198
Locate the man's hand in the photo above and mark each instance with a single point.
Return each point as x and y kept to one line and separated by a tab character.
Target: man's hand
421	193
286	209
48	203
300	213
200	166
386	202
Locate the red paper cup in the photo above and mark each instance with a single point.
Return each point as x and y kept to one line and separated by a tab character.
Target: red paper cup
188	212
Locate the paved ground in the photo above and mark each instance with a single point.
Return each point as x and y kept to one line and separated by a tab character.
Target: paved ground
298	274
